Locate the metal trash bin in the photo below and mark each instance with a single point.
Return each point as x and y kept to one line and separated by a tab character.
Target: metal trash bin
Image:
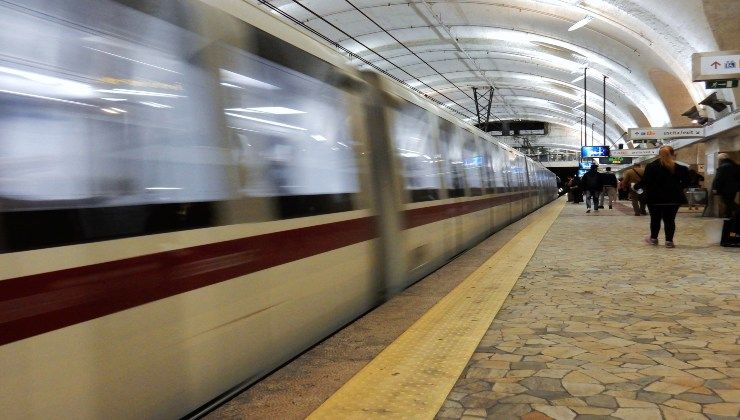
699	195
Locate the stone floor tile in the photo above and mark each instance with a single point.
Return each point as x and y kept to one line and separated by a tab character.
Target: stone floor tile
508	388
670	413
556	412
535	415
722	409
552	373
503	411
578	389
596	411
666	388
729	395
683	405
638	414
475	412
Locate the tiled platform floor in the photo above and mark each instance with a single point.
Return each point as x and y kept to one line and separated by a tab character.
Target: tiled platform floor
601	325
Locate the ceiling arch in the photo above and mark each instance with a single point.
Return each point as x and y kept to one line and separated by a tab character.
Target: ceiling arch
524	49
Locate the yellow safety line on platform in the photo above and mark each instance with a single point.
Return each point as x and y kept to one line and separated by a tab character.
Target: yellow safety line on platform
413	375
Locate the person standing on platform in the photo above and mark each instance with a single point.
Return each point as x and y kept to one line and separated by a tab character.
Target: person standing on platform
592	186
633	178
727	183
610	187
664	183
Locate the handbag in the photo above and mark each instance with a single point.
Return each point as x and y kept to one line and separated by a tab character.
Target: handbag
637	187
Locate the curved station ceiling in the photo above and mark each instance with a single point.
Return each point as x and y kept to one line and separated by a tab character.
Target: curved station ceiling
534	55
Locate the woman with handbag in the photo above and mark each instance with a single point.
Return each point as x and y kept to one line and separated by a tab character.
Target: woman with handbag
632	182
664	183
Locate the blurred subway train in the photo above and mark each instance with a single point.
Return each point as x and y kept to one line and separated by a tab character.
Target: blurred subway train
192	193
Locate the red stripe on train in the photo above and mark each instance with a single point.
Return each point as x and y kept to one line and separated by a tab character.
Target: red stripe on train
40	303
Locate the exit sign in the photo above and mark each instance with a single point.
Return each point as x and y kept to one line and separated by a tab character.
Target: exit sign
721	84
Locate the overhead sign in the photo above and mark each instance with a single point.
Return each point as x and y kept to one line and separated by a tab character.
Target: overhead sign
721	84
665	133
717	65
594	151
636	152
615	160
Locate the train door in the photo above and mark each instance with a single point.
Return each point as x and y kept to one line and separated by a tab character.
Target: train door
453	173
414	132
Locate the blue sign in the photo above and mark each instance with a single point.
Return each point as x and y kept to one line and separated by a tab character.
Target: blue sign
594	151
581	172
585	165
474	161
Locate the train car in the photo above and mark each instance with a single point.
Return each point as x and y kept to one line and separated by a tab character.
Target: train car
192	193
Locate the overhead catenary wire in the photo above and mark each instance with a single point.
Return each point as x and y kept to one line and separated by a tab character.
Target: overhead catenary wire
363	60
407	48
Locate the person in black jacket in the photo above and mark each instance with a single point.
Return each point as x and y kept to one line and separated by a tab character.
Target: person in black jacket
727	183
664	182
591	185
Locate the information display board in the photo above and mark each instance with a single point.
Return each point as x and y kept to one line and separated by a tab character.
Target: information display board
594	151
615	160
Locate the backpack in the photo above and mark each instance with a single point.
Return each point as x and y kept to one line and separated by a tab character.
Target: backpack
592	181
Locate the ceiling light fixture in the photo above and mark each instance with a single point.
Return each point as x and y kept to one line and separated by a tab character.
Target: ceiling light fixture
580	24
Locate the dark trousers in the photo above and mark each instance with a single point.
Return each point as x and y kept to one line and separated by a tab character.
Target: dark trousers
592	196
666	213
730	207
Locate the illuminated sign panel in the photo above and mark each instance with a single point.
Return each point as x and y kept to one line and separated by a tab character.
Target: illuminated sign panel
594	151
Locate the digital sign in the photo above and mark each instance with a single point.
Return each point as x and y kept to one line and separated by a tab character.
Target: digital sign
585	165
582	172
615	160
594	151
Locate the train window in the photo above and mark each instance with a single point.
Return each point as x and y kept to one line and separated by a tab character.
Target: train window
501	168
413	134
452	159
488	165
473	161
291	136
96	114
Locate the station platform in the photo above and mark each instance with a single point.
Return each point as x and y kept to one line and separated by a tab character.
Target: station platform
562	315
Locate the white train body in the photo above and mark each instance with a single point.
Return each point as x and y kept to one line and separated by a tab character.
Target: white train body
192	194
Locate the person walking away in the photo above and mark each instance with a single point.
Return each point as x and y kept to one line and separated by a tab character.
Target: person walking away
664	183
632	178
727	183
592	186
610	187
695	180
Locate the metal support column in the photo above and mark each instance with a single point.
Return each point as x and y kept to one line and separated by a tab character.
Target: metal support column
483	103
585	109
604	114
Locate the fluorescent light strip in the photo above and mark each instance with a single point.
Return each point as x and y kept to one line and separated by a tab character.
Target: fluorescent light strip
163	188
154	104
139	93
28	95
581	23
266	121
114	99
132	60
275	110
318	137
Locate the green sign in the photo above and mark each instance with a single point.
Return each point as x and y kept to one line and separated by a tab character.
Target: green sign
615	160
721	84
